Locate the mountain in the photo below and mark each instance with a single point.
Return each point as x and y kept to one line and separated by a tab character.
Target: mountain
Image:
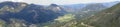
79	7
85	10
20	14
89	10
13	6
110	3
31	13
106	18
56	8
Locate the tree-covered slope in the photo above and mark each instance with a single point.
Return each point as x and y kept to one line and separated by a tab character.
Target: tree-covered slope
106	18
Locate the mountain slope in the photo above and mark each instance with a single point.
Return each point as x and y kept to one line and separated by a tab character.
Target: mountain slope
107	18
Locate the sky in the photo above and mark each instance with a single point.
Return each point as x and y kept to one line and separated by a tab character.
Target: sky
60	2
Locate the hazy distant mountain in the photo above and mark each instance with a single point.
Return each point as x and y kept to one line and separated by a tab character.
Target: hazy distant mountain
91	6
110	3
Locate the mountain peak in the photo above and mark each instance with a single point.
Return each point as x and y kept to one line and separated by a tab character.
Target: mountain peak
53	5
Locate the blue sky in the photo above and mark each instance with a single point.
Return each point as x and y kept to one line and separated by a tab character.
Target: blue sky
61	2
